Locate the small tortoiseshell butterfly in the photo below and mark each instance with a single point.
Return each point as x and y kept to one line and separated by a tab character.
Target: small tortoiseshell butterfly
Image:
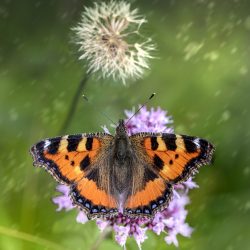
129	174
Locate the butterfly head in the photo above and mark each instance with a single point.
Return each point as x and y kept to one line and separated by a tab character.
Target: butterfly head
121	130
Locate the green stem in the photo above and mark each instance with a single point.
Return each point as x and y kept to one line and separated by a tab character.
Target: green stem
101	238
31	238
72	109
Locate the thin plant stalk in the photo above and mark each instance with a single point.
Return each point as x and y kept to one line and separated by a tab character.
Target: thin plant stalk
74	102
30	238
104	234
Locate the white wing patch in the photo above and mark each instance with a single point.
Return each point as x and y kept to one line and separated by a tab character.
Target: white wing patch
46	143
197	142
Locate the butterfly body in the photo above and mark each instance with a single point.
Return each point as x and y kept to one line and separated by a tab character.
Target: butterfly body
133	174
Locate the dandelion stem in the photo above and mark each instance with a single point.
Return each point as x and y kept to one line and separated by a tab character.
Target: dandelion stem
31	238
72	109
101	238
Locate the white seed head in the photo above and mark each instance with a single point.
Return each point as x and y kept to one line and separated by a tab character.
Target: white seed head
110	41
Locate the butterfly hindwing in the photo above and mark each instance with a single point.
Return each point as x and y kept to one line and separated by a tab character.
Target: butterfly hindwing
153	197
94	200
72	160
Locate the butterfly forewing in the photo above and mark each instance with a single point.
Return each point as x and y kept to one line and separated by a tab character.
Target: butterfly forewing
177	157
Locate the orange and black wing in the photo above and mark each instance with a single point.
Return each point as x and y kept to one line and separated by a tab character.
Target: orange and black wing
74	160
169	159
177	157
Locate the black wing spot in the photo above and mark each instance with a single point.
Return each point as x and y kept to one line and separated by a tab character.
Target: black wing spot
66	157
154	143
54	145
85	163
170	141
171	162
72	163
190	146
158	162
176	156
89	143
73	142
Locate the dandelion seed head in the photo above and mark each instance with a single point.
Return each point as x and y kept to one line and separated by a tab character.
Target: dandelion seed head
110	41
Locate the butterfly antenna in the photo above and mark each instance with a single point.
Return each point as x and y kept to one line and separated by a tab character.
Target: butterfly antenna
102	113
143	105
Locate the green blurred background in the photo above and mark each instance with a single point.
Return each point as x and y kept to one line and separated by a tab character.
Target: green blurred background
201	75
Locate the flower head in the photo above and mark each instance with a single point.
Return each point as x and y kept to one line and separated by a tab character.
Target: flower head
171	220
153	120
109	39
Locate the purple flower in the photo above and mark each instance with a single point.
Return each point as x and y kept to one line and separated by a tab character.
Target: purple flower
63	201
171	220
82	217
154	120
